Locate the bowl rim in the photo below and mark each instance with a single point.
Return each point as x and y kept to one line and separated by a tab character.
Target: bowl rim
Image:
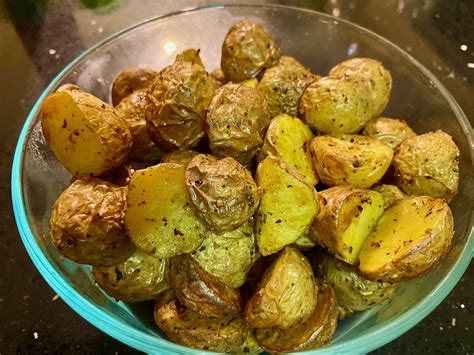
126	333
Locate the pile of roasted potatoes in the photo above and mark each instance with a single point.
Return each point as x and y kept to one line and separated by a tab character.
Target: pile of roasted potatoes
259	203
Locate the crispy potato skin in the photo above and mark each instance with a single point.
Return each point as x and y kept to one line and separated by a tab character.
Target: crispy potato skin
139	278
287	294
399	249
201	292
391	194
222	191
374	73
190	55
188	328
130	80
335	106
86	223
428	165
181	157
179	95
350	159
390	131
247	50
315	332
236	121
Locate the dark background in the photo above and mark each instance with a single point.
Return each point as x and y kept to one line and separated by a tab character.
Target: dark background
39	37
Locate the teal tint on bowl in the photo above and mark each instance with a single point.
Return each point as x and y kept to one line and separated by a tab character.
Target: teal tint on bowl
319	42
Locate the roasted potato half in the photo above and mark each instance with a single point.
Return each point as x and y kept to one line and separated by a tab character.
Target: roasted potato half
408	241
130	80
347	215
287	206
428	165
139	278
350	159
182	157
391	194
390	131
190	55
315	332
86	135
286	295
288	138
159	217
86	223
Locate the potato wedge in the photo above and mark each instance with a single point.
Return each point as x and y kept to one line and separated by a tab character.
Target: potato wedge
391	194
86	135
159	217
315	332
347	216
201	292
287	206
287	294
130	80
350	159
287	138
408	241
388	130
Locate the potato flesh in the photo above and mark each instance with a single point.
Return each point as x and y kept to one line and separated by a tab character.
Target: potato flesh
287	207
159	216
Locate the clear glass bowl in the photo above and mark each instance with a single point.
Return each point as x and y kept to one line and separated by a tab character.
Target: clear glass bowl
319	42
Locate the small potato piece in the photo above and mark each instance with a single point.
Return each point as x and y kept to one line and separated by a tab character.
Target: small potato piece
217	77
391	194
86	223
372	71
236	120
130	80
305	242
247	50
190	55
350	159
335	106
408	241
222	191
188	328
182	157
428	165
388	130
286	295
353	291
347	216
159	217
315	332
287	207
86	135
139	278
228	256
180	95
287	138
250	83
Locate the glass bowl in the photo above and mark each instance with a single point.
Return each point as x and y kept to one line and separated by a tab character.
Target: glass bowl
319	42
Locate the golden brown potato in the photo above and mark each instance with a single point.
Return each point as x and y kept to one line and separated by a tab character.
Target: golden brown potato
287	294
217	77
230	255
350	159
247	50
388	130
182	157
188	328
139	278
180	95
236	121
86	223
287	206
428	165
335	106
391	194
86	135
201	292
130	80
190	55
287	138
374	73
159	216
222	191
315	332
347	216
408	241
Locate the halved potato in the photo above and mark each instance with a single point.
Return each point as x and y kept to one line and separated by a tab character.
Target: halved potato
159	217
346	218
391	194
86	135
287	138
287	207
130	80
408	241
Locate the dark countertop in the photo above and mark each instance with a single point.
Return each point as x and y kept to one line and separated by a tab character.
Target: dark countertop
39	37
